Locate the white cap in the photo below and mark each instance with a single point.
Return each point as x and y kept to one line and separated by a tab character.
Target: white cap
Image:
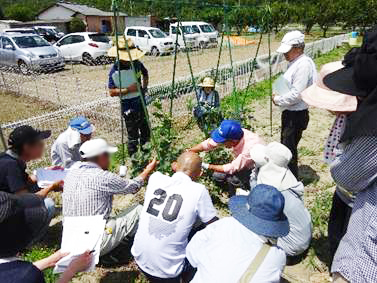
96	147
279	154
289	40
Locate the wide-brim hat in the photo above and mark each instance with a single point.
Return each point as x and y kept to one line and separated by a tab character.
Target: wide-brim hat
134	52
320	96
207	82
358	78
22	218
261	211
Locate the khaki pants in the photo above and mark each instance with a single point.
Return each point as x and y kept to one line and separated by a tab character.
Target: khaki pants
338	278
118	228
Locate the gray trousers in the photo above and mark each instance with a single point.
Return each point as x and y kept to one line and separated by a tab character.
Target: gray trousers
120	227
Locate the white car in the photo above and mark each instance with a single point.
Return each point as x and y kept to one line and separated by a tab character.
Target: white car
84	46
206	34
150	40
191	36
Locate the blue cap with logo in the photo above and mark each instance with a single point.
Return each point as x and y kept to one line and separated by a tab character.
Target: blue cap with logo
82	125
228	130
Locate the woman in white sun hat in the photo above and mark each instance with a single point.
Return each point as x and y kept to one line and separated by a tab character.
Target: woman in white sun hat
207	111
272	162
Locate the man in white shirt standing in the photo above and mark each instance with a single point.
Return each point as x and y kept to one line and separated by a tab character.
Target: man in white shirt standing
301	74
172	206
232	247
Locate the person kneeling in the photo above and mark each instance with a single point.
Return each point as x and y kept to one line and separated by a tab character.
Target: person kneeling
172	207
272	166
241	141
89	189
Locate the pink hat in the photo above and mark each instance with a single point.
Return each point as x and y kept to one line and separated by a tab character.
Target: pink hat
320	96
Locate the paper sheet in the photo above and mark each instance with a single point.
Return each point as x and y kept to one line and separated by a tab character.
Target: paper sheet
80	234
46	177
281	86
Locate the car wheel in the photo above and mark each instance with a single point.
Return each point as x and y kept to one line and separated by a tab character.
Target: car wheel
154	51
23	67
87	59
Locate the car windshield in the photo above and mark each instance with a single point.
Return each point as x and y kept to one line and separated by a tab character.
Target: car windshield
207	28
189	30
99	37
157	33
30	41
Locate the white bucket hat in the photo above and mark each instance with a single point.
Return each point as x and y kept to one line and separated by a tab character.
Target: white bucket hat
289	40
96	147
274	171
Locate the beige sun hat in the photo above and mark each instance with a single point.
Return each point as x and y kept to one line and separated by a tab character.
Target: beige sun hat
135	52
320	96
207	82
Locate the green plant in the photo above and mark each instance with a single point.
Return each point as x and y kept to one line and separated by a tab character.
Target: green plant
37	253
167	146
77	25
320	212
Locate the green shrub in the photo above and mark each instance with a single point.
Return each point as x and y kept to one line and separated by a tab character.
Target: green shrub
77	25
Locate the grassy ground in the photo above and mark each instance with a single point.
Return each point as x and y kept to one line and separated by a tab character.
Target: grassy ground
313	172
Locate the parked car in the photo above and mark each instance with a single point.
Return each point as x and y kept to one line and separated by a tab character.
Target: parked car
150	40
29	52
190	33
207	34
86	47
50	33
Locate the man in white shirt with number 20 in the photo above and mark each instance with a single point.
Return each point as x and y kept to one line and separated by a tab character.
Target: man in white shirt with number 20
172	206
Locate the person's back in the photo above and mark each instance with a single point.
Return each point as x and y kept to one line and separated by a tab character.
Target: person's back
172	206
65	149
224	250
300	234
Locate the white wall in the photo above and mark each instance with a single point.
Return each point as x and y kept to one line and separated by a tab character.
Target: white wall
56	13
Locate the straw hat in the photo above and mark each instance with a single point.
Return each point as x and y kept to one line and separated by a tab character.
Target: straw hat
320	96
135	52
207	82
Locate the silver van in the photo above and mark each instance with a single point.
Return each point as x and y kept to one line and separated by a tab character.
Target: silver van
29	52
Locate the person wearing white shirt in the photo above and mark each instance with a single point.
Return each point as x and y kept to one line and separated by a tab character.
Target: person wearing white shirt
171	208
65	149
230	248
301	74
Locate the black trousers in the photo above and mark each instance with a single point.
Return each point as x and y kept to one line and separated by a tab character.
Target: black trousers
338	222
137	130
293	124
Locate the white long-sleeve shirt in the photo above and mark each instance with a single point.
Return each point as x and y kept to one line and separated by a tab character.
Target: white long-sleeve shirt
301	74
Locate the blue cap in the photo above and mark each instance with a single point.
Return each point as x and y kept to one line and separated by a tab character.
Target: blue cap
261	211
228	130
82	125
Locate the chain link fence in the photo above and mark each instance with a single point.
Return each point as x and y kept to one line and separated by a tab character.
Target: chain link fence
82	89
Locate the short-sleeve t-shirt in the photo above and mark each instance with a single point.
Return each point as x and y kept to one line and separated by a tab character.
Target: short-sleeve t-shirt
20	272
172	206
13	176
139	68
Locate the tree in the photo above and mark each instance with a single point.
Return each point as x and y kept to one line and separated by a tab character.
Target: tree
306	14
19	12
77	25
328	14
1	14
